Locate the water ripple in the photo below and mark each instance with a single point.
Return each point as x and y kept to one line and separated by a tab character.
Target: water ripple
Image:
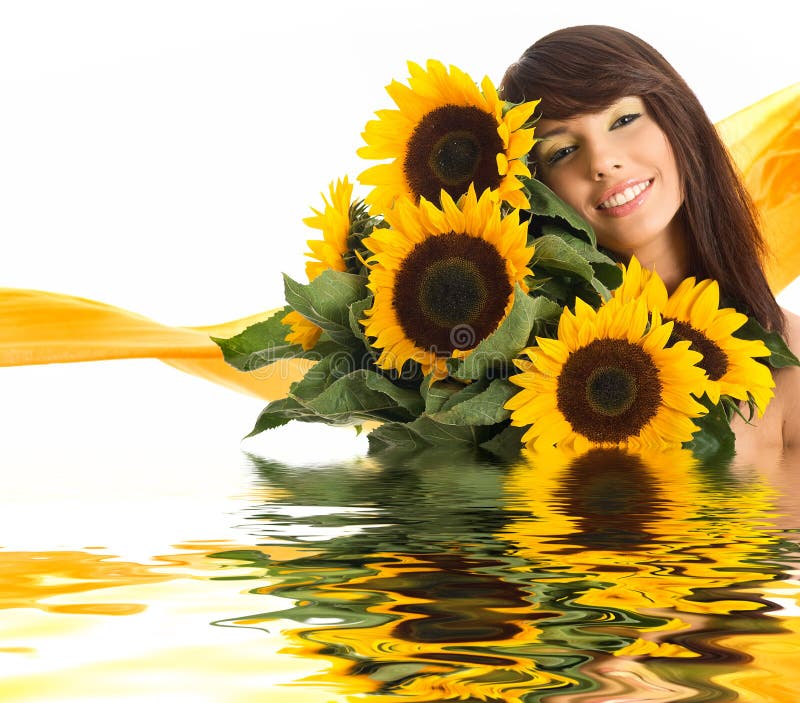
606	576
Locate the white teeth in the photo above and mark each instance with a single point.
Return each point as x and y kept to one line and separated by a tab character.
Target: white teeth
625	196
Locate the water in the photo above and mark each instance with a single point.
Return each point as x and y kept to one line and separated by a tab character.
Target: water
441	577
427	577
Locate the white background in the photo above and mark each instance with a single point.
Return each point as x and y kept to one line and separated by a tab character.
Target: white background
160	156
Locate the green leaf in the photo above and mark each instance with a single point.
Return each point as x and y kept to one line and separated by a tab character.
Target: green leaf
715	438
406	398
355	315
321	375
586	250
780	355
554	288
326	301
545	202
396	436
546	322
507	443
493	355
331	392
610	275
278	413
601	291
484	407
425	432
365	395
554	254
465	392
259	344
436	393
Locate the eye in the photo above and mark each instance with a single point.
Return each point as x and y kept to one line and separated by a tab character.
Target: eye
560	154
626	119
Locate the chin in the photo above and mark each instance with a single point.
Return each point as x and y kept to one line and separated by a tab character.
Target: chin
629	242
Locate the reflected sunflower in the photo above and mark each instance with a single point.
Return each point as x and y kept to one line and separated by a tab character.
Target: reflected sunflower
443	279
447	134
608	379
566	500
326	253
729	361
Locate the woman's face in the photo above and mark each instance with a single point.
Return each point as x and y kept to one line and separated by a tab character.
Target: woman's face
617	169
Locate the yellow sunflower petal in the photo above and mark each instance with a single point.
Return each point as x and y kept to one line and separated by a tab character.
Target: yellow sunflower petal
303	331
520	143
502	163
520	114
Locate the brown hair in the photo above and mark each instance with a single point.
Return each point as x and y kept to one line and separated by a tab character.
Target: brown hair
581	70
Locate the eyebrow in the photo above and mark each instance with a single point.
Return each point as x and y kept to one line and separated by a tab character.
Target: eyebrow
563	129
552	133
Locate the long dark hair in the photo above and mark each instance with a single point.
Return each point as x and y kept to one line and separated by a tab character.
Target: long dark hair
581	70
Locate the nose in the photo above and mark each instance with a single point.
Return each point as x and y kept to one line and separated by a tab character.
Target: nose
603	160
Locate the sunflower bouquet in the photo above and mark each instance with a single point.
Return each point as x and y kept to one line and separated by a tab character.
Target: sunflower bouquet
461	303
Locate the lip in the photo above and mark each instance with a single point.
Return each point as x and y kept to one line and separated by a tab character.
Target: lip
622	210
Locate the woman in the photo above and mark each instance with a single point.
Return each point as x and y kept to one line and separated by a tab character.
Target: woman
624	141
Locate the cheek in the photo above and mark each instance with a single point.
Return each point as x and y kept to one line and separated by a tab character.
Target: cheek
669	168
674	187
566	188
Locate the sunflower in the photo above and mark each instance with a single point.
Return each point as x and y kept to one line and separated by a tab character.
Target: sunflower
326	253
303	331
447	134
694	309
443	279
334	221
608	380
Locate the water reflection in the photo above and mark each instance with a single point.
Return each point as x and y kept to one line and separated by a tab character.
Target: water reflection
449	576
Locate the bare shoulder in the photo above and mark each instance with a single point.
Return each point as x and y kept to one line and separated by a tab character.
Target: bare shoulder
791	374
792	330
787	385
779	428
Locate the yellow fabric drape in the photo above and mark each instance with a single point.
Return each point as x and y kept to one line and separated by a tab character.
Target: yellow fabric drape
42	328
39	327
764	140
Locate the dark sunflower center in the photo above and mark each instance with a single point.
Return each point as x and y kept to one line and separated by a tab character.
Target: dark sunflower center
451	147
609	390
451	291
454	157
714	362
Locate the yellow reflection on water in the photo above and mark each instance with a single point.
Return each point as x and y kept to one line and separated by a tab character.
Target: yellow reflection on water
641	524
580	578
444	630
59	643
772	675
612	564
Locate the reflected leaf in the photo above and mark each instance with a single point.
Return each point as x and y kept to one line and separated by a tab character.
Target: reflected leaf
446	575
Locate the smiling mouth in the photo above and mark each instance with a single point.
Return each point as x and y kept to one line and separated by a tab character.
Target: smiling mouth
625	196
